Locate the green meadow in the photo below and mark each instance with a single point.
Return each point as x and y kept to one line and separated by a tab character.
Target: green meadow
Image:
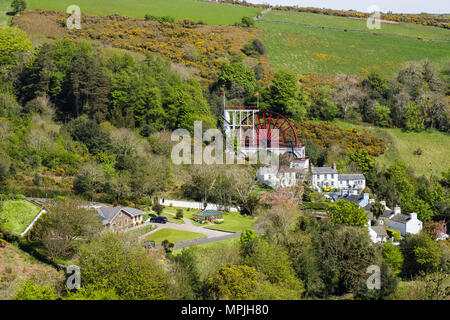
305	49
208	12
322	20
401	145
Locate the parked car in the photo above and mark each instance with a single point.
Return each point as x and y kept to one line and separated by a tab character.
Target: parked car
159	219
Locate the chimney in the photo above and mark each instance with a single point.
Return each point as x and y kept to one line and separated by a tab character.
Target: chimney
383	202
371	200
334	165
397	209
413	216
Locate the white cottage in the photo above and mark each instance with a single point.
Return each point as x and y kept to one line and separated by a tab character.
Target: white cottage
406	224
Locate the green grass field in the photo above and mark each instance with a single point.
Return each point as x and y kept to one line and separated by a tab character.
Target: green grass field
322	20
17	214
434	144
210	13
4	9
234	222
304	49
173	235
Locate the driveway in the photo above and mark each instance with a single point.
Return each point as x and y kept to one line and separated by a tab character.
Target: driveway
188	226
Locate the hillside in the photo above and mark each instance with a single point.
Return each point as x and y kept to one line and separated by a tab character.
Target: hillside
16	266
208	12
387	27
305	49
401	145
199	50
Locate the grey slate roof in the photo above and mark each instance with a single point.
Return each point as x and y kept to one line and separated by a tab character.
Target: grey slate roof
107	214
380	230
402	218
323	170
352	198
387	213
343	177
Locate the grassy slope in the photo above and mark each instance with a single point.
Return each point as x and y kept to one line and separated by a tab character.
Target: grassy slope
234	222
210	13
18	214
434	144
303	49
173	235
321	20
24	266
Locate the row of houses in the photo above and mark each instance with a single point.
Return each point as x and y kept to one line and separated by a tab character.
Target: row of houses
391	218
321	178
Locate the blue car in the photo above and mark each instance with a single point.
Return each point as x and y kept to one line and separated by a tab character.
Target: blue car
159	219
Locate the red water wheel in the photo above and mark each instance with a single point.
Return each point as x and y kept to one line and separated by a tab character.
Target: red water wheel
270	129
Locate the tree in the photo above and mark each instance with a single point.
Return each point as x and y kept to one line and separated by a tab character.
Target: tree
12	41
377	85
283	89
233	282
115	262
377	209
393	257
362	158
345	253
413	118
64	223
347	213
420	253
18	5
32	291
273	261
238	79
388	286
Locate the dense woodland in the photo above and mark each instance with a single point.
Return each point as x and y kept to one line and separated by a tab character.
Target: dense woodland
78	119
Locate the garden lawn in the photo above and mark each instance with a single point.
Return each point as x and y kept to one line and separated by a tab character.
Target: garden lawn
234	222
208	12
17	215
186	214
173	235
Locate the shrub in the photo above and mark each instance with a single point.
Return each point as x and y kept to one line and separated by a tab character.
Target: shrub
394	234
179	213
18	5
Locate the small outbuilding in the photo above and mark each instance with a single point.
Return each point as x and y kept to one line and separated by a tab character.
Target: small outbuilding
208	215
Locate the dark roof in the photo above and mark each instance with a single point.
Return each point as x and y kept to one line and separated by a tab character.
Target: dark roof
343	177
387	213
208	213
355	198
402	218
380	230
107	214
323	170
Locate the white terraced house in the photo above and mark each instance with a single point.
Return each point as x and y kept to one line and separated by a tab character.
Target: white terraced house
328	177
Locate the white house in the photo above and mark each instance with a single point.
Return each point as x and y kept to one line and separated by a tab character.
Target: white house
406	224
328	177
353	183
275	178
377	234
322	177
